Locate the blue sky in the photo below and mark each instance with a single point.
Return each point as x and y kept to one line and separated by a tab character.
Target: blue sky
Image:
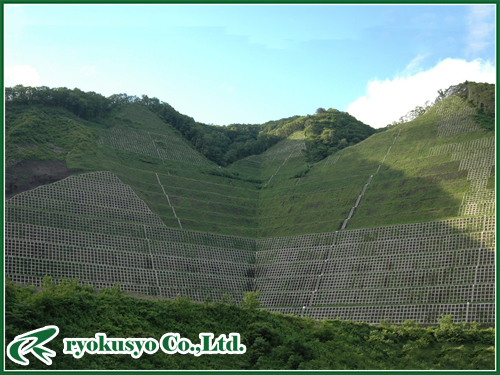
227	64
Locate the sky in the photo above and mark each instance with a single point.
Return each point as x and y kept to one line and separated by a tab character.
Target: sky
248	64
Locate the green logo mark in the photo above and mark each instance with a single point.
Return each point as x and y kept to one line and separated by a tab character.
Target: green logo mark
33	342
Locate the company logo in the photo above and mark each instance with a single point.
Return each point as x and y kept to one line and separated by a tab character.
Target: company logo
170	343
32	342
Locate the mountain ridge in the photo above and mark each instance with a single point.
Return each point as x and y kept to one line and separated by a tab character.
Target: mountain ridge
220	144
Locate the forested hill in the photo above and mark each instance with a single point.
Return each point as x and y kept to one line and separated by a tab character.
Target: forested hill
326	131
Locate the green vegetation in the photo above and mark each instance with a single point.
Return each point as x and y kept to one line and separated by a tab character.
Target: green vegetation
482	95
300	175
330	131
86	105
92	133
485	121
280	189
221	144
36	132
410	186
273	341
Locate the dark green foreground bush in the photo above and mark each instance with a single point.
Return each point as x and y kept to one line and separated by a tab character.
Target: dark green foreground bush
273	341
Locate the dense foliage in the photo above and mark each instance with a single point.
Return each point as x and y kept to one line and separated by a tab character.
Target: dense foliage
326	131
330	131
482	96
273	341
87	105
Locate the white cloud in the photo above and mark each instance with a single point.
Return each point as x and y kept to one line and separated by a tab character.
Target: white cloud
414	65
21	75
386	101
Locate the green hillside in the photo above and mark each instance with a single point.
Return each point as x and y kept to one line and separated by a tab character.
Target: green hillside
143	151
323	216
276	192
407	182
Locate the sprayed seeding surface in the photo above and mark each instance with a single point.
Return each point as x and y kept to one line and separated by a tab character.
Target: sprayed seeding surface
478	158
151	144
94	227
456	118
413	271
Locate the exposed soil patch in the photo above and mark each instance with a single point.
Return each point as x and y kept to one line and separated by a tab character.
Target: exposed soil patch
29	174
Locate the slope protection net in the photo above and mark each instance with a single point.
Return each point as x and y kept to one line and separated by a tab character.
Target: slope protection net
477	157
413	271
108	235
93	227
151	144
456	117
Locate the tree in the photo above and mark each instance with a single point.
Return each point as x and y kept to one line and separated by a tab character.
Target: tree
250	300
328	136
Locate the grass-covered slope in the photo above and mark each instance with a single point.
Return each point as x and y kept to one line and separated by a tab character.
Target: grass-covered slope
37	132
402	175
185	189
418	183
406	174
273	341
438	166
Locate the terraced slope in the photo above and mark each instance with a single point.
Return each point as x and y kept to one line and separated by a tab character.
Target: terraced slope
176	182
136	129
95	228
401	272
180	185
399	226
412	173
